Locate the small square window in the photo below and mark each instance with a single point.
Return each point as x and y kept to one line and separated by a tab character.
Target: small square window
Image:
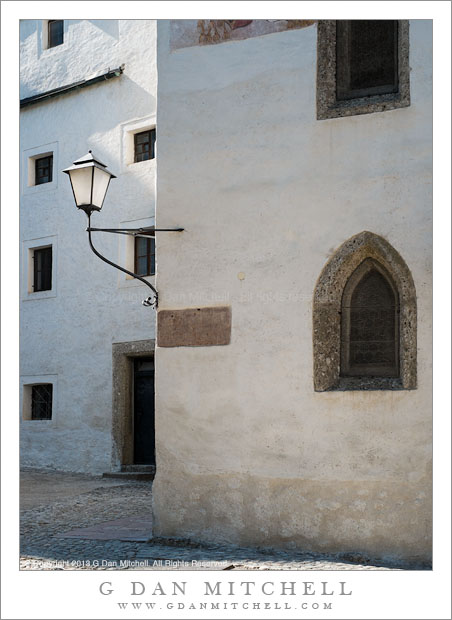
41	401
42	269
145	256
144	143
43	170
55	32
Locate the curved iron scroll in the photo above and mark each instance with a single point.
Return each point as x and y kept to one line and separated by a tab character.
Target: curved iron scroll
149	301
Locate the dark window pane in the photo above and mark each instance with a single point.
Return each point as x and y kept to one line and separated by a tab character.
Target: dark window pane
372	53
41	401
366	58
144	256
43	170
141	246
42	277
144	145
373	327
55	32
152	256
142	266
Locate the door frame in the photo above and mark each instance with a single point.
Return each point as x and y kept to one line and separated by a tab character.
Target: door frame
123	354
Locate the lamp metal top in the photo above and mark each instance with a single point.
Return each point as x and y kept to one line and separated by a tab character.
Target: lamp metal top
87	161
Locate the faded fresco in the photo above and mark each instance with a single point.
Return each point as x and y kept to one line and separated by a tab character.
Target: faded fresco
191	32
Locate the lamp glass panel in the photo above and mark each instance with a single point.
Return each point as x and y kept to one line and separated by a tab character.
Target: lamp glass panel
81	184
101	179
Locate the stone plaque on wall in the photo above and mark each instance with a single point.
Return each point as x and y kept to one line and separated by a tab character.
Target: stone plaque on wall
194	327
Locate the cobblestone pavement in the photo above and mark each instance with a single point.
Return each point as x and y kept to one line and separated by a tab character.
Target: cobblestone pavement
43	548
41	487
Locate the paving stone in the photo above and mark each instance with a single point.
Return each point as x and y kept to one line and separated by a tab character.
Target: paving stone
138	529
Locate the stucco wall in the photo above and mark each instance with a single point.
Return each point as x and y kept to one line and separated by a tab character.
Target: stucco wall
246	450
67	335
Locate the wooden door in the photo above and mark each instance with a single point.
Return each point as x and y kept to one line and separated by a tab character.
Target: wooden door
144	413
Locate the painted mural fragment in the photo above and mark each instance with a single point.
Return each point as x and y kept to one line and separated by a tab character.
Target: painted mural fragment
190	32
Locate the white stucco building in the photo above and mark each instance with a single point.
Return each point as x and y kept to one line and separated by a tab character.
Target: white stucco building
293	355
70	329
303	199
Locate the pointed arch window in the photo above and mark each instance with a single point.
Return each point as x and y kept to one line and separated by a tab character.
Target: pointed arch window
364	319
370	323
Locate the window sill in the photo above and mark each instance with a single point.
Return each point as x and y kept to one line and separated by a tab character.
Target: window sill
142	166
39	189
39	295
53	48
45	423
363	105
364	384
143	161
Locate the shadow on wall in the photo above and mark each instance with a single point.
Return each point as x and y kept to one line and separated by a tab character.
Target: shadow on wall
122	100
109	26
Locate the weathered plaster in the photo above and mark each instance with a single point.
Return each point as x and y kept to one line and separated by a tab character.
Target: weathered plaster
328	106
314	515
326	334
266	194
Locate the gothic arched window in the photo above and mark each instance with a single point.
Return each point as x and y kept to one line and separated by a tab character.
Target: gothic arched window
364	319
370	324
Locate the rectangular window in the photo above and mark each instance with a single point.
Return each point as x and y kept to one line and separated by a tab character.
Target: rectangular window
42	269
145	256
144	145
362	66
366	58
55	32
43	170
41	401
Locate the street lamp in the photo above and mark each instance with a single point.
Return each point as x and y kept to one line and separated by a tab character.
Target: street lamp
89	181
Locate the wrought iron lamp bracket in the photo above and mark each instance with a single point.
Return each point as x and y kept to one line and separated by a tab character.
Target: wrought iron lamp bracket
135	232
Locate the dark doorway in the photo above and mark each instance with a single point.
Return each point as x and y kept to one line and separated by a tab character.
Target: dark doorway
143	418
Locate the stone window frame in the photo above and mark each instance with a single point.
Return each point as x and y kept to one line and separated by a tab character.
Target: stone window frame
327	305
327	104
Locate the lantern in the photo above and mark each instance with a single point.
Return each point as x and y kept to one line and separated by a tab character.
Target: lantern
89	180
